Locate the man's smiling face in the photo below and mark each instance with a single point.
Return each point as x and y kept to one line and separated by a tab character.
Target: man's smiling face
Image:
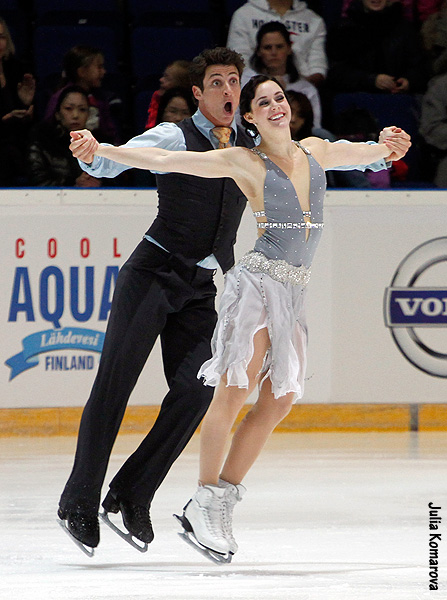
219	98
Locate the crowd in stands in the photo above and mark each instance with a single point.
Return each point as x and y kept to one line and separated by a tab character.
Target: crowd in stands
349	68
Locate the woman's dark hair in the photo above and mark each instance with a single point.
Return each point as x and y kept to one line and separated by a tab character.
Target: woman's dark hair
69	89
76	57
175	93
256	61
306	112
247	95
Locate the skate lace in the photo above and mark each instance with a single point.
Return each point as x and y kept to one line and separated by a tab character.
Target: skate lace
141	514
215	517
227	521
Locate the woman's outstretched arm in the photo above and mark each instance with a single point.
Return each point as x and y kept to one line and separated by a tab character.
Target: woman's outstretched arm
331	154
214	163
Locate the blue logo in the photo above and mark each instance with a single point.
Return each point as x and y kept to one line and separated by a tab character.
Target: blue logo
408	308
420	307
68	338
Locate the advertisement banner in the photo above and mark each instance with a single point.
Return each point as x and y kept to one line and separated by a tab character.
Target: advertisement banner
376	303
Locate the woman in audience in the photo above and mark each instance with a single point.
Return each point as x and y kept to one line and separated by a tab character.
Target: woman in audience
374	49
50	162
274	56
17	89
175	105
84	66
175	75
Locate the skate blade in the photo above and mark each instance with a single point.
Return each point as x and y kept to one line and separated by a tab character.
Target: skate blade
188	536
128	537
85	549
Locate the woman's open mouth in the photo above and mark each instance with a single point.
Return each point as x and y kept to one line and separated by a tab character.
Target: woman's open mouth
277	117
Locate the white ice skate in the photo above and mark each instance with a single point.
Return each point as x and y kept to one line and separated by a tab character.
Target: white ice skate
202	521
233	495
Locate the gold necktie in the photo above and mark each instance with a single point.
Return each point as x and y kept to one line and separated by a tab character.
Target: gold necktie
223	135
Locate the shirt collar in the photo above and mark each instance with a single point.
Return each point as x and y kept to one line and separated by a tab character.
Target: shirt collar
205	126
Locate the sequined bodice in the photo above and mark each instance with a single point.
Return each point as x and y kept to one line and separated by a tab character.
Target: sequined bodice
287	236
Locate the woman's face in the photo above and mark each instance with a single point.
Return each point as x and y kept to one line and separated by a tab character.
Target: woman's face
170	78
176	110
269	108
3	42
296	120
273	51
73	113
91	75
374	5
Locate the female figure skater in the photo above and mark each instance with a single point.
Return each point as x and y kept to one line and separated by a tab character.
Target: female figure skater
260	338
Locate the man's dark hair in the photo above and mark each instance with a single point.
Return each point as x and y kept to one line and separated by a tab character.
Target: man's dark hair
214	56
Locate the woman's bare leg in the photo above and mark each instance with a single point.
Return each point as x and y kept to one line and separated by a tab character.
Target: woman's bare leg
222	413
253	432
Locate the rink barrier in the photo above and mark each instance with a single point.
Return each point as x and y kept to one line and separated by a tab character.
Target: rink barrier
302	418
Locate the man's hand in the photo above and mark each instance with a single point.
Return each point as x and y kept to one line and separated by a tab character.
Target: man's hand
397	141
83	145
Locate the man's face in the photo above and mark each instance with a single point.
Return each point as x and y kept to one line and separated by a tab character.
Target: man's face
219	98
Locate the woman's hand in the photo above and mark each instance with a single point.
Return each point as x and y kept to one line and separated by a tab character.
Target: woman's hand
19	113
26	89
396	140
386	83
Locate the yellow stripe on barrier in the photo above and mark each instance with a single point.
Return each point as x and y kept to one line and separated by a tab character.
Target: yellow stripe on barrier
302	417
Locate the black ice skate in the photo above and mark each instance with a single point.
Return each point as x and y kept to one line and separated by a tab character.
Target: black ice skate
136	519
188	536
81	527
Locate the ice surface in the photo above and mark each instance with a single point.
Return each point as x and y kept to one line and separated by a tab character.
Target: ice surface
326	517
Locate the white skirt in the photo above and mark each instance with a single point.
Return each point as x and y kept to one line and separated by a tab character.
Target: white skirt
250	302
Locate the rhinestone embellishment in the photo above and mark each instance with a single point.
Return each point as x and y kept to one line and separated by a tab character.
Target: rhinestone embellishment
302	225
280	270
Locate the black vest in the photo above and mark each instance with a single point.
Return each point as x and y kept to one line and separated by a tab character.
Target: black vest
198	216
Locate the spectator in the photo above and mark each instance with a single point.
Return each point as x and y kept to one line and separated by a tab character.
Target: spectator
50	161
302	126
375	50
306	27
84	66
17	90
414	10
434	38
175	105
273	56
176	75
433	128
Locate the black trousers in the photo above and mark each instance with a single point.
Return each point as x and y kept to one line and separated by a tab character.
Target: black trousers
157	294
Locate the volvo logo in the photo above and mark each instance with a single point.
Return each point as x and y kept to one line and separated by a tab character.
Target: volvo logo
409	306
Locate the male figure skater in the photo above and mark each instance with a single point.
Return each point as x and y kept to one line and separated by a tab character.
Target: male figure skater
165	289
